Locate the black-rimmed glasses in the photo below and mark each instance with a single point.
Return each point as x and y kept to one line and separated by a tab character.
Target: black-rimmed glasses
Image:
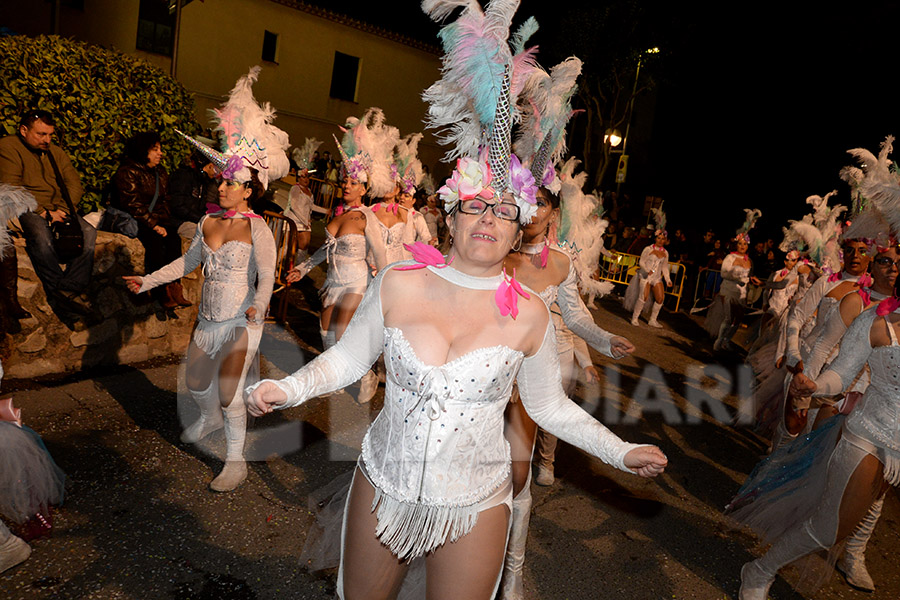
501	210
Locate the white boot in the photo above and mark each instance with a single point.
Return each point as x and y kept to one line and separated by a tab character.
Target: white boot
757	576
653	313
852	564
512	587
638	307
235	471
13	549
327	342
722	340
210	416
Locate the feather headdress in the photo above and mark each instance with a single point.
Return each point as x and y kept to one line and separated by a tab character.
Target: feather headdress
407	164
878	184
581	229
546	108
817	233
14	201
303	156
659	217
249	139
752	215
366	151
473	103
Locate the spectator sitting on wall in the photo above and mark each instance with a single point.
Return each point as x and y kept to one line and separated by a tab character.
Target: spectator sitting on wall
139	188
191	187
29	159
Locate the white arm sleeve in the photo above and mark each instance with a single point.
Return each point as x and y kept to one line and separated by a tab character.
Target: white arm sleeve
644	261
727	271
664	265
346	361
578	318
376	249
540	387
582	354
264	251
179	267
802	311
855	350
423	234
320	255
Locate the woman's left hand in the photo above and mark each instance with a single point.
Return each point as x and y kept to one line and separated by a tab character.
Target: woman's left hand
251	314
646	461
591	374
620	346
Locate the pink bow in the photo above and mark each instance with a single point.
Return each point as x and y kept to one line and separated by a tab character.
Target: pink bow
392	207
835	277
887	306
425	255
865	295
865	280
215	209
338	211
507	296
545	254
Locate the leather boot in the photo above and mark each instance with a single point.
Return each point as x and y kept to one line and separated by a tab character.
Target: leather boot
852	564
638	307
235	470
210	416
13	549
176	293
757	576
512	587
9	287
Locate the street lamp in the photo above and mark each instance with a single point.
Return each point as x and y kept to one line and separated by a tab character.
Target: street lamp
637	74
613	137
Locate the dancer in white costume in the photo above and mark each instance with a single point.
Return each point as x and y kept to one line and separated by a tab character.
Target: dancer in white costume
352	235
727	310
237	252
863	461
654	269
435	468
300	198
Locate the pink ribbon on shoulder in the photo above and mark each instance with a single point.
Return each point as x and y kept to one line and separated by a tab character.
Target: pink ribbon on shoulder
425	255
215	209
835	277
392	207
507	295
887	306
545	255
865	295
865	280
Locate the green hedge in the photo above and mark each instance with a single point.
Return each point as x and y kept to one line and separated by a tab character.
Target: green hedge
98	97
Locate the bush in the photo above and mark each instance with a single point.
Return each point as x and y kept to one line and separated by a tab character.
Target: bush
99	99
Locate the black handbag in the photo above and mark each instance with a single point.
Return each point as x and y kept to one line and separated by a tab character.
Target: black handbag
119	221
68	239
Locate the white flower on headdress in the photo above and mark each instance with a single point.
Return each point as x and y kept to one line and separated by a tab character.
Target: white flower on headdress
470	179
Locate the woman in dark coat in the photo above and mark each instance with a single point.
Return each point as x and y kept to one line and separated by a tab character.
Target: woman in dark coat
139	188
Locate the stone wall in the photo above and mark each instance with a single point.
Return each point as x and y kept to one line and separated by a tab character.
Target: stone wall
124	328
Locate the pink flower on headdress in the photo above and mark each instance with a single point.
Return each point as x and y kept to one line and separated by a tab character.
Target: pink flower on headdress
235	163
470	179
507	295
425	255
524	189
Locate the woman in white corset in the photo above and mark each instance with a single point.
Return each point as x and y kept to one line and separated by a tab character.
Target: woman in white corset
725	315
545	267
236	250
434	476
841	484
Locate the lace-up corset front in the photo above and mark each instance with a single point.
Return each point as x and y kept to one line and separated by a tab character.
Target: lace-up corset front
227	272
439	438
393	241
348	262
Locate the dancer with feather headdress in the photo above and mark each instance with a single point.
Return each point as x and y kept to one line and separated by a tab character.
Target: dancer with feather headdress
300	198
237	252
434	476
653	270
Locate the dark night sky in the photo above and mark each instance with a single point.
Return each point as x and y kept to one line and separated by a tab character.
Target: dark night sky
760	100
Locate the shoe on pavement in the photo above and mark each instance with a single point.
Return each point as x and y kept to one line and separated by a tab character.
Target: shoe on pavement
234	473
13	551
544	475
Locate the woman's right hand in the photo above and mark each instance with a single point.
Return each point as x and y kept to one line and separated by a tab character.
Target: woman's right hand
801	385
265	398
133	283
646	461
294	275
160	230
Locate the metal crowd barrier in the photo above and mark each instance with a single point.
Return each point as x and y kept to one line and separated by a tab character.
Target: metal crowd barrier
621	267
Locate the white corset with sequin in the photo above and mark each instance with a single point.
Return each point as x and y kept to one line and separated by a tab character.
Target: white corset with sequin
348	259
393	241
227	271
877	417
440	437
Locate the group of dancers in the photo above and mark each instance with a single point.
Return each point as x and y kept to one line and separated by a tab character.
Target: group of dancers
827	372
482	343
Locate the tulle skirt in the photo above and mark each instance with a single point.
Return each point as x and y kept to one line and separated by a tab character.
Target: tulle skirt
29	479
786	487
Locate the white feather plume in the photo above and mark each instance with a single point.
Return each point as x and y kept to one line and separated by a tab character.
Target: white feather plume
14	201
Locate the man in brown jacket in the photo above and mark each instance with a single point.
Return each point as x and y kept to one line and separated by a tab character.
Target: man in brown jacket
29	159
